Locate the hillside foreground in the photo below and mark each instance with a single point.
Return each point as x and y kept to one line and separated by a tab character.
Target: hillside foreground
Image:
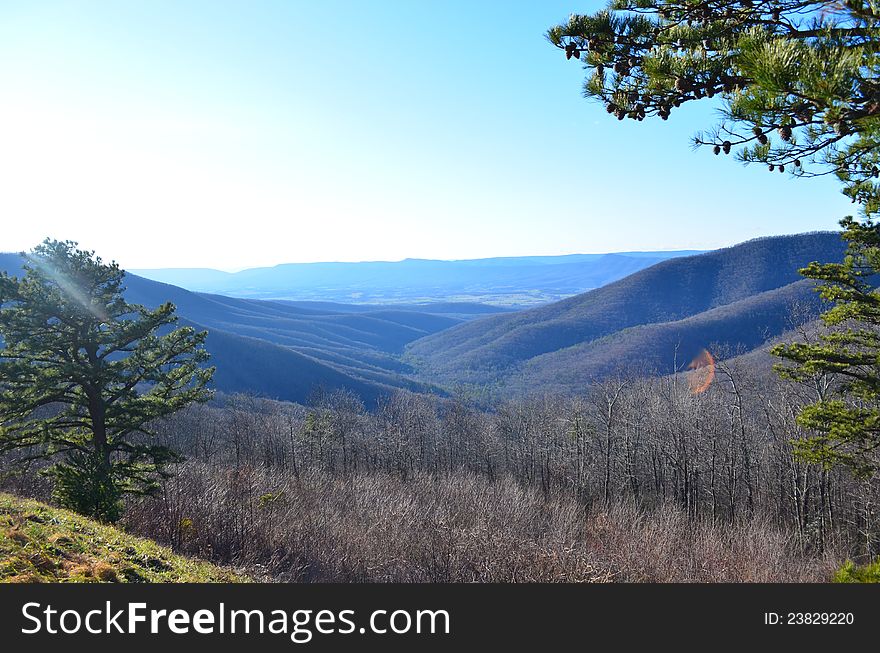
39	543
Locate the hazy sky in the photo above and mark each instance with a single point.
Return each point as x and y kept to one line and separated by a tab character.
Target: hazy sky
234	134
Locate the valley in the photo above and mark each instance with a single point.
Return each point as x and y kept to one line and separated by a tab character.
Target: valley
729	301
512	282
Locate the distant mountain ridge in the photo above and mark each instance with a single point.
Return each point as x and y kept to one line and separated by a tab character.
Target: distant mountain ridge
510	281
735	297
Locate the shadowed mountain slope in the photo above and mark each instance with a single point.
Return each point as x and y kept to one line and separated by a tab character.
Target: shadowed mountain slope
284	351
265	369
661	347
533	345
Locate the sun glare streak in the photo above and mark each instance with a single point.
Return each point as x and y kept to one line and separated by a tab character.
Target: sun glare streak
69	288
702	372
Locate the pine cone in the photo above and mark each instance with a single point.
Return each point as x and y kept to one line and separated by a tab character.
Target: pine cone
726	147
785	133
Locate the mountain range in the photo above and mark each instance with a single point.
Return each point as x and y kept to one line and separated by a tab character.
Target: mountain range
286	350
654	320
511	281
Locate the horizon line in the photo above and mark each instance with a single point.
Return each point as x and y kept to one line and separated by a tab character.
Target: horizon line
418	258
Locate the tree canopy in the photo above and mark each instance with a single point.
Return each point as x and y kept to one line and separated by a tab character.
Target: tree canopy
797	80
83	373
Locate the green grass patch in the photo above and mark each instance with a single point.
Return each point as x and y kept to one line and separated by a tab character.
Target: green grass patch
40	544
852	573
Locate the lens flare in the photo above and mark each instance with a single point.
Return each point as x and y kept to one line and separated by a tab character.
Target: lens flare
69	288
702	372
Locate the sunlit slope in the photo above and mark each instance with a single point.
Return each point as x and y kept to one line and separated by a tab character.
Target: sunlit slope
42	544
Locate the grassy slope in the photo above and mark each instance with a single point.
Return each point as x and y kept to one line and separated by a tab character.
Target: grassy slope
39	543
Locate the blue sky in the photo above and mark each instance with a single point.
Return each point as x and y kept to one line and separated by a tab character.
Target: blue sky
237	134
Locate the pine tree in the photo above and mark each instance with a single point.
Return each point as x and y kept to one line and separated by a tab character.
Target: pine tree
847	422
797	84
83	373
797	80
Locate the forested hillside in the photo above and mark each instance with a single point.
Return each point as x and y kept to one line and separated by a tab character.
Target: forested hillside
631	480
666	347
618	471
735	297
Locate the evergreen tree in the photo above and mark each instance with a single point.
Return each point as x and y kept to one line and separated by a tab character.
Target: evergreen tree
83	373
847	421
798	80
797	84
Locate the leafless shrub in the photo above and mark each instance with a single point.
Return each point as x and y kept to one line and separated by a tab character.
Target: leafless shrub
379	527
663	545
